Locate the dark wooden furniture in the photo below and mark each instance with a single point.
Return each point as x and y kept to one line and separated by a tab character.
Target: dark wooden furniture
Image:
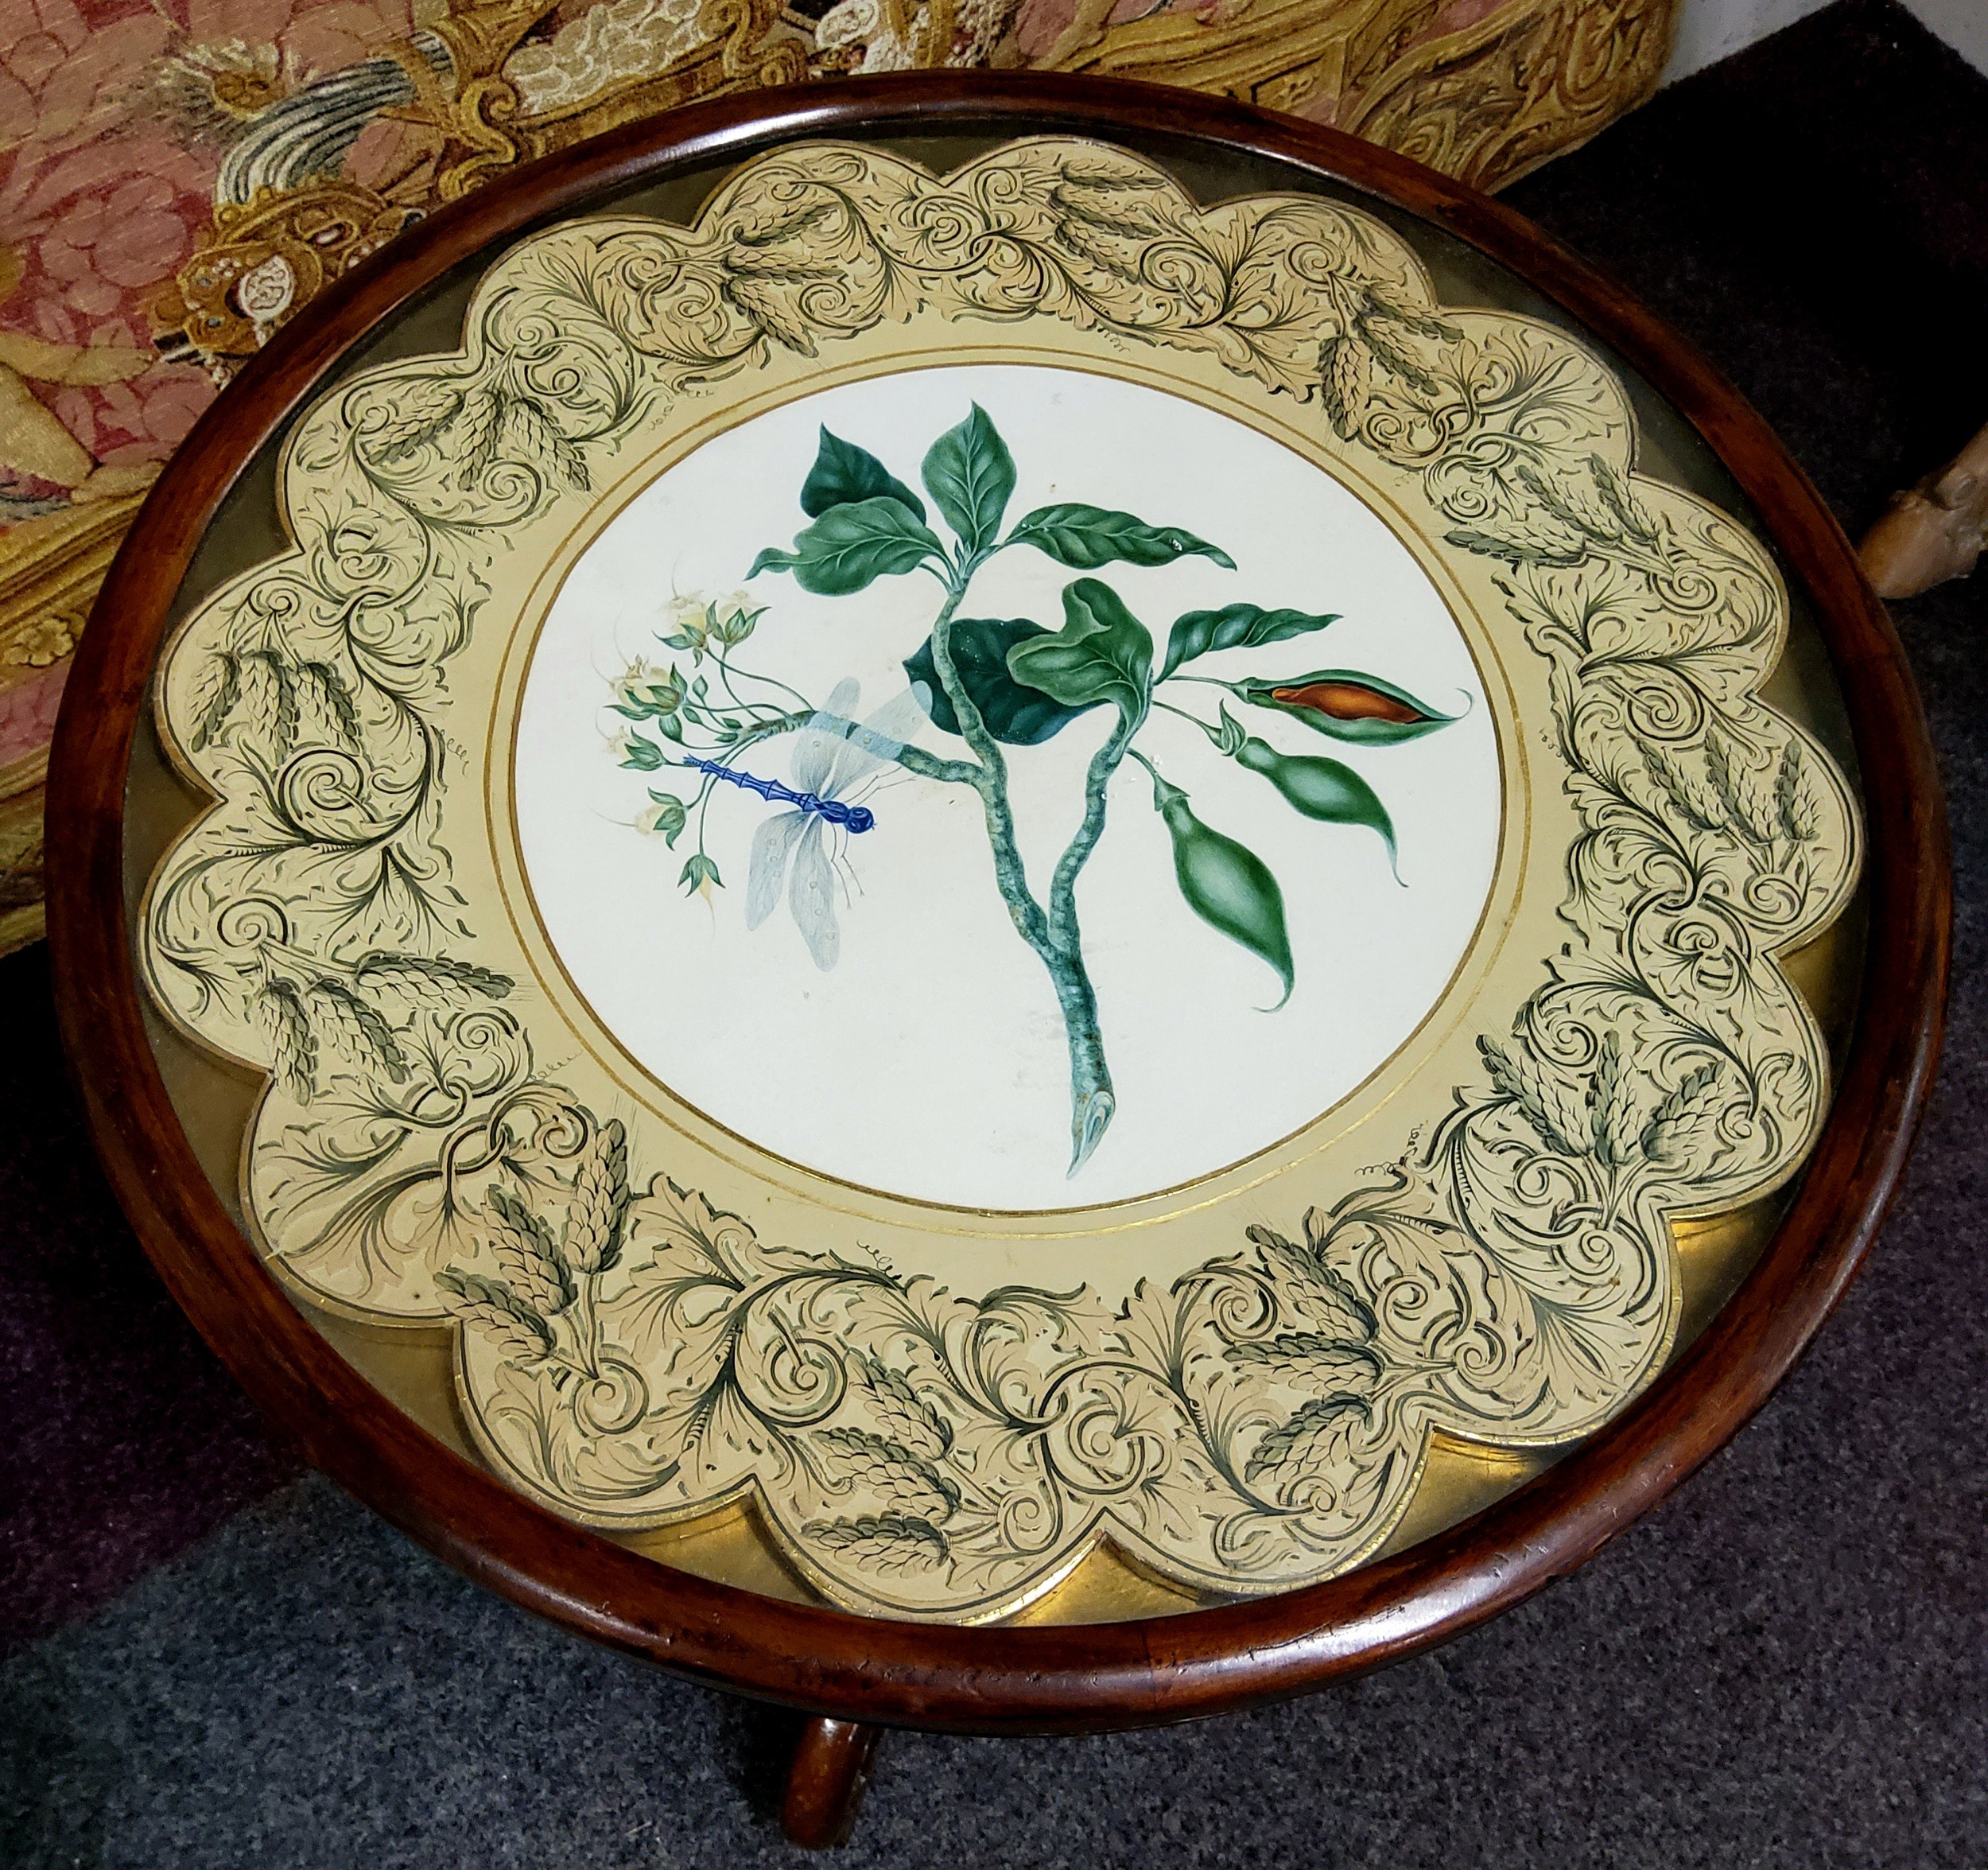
854	1673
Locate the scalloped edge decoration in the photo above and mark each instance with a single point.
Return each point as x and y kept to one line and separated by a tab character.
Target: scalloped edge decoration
628	1353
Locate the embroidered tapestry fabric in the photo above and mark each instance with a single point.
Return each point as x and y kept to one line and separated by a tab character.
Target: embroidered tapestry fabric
179	178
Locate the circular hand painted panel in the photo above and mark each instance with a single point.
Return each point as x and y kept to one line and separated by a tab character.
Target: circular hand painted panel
1236	832
1001	862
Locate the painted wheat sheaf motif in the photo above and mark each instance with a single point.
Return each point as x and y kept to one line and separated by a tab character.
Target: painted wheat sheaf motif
629	1351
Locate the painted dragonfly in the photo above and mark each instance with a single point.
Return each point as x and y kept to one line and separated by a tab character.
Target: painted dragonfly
829	762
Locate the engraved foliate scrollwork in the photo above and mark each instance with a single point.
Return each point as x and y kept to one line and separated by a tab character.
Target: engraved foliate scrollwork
631	1352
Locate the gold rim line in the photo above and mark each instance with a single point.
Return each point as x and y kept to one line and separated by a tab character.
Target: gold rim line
645	1086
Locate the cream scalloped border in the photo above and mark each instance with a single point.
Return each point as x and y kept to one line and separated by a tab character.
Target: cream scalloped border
630	1354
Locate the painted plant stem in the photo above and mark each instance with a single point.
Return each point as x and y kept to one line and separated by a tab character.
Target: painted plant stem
1052	935
1000	682
1093	1100
1097	779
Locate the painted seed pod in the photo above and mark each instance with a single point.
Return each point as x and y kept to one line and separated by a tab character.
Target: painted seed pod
1327	790
1347	705
1227	885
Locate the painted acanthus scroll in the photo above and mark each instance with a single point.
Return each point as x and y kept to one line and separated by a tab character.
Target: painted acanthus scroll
629	1351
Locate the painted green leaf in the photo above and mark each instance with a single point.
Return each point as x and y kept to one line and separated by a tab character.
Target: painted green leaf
1103	653
844	474
1227	885
643	756
1327	790
1347	705
699	872
970	475
1018	716
1083	537
852	546
1236	626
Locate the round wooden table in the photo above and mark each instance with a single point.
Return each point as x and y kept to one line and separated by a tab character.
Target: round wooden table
1089	239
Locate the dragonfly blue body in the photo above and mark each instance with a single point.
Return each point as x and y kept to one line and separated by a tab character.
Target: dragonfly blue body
853	818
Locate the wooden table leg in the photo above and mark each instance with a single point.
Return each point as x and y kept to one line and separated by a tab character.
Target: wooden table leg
825	1783
1934	532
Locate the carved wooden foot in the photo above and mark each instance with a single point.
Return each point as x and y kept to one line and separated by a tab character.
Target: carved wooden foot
1934	532
825	1783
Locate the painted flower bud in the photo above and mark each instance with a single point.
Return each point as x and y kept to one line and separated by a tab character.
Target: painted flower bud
1227	886
644	689
733	617
665	819
689	624
1346	706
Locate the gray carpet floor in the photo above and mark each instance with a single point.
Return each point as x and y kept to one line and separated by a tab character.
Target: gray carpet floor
1786	1665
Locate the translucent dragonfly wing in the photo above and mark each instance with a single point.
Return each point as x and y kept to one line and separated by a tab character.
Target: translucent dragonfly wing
879	740
827	762
812	895
772	844
815	750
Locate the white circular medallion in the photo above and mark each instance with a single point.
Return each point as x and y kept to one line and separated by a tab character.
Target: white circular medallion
872	1001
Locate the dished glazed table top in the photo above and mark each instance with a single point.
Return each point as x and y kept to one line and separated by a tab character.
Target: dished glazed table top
766	1226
